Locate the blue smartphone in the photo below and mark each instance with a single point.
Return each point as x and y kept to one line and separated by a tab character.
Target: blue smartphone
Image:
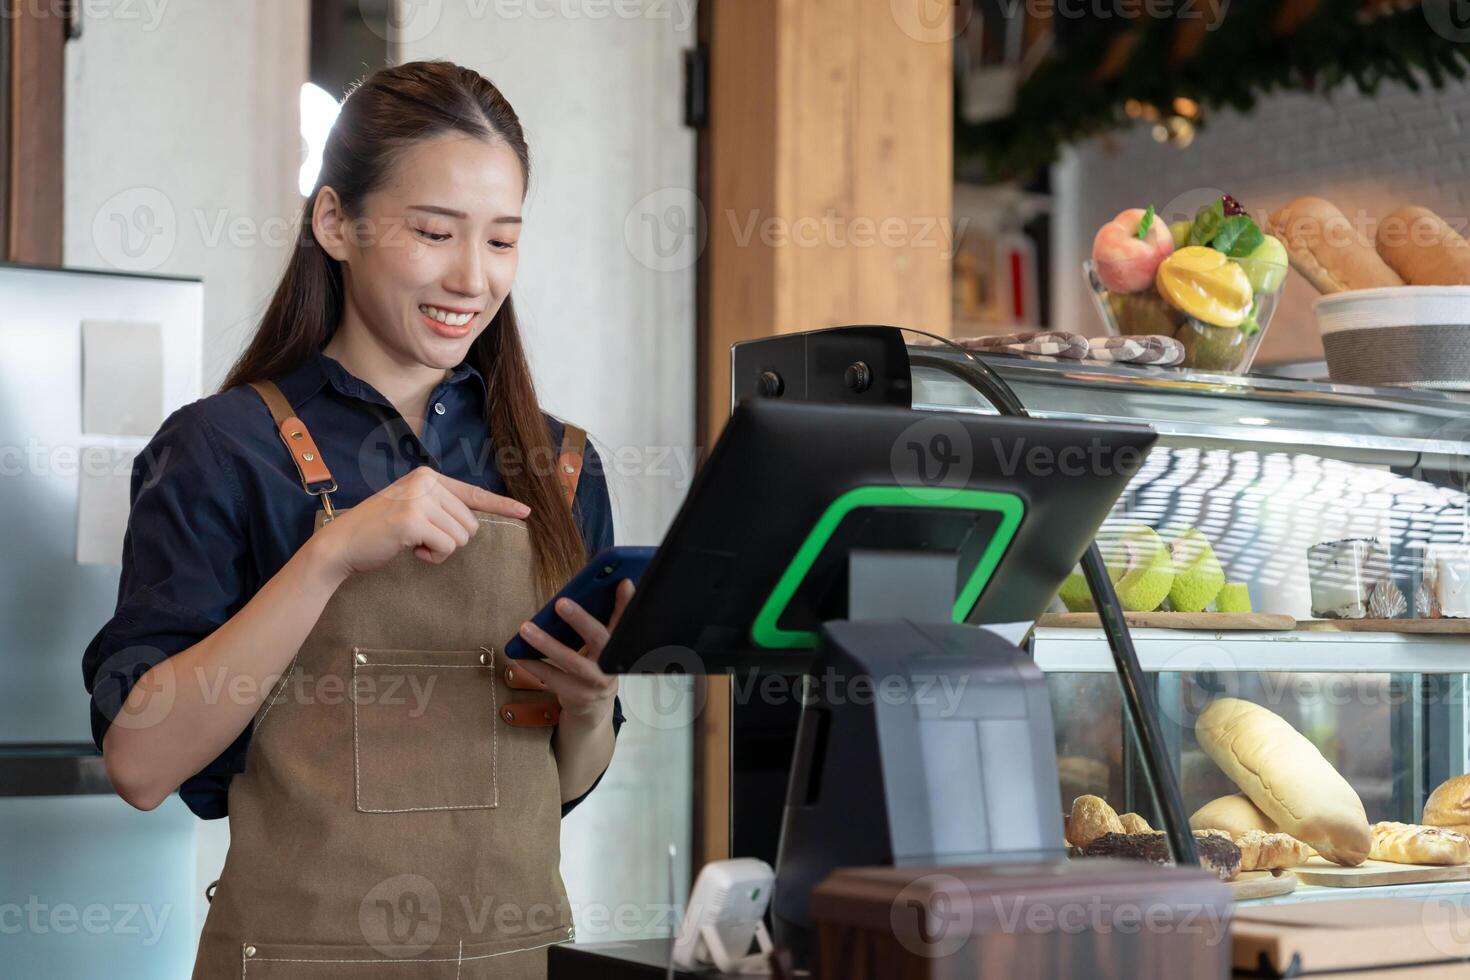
594	588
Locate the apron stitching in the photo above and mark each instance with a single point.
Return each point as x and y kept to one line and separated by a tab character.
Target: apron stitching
285	683
426	959
395	663
523	949
494	734
460	961
356	767
422	809
416	959
244	962
491	520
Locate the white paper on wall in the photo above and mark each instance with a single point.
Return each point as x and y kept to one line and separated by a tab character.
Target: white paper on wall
122	377
105	477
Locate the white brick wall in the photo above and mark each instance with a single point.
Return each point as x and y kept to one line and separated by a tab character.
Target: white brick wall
1368	154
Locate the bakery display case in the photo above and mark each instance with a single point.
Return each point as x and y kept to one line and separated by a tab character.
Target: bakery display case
1294	557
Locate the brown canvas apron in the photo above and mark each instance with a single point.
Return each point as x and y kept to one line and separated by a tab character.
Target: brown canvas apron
400	811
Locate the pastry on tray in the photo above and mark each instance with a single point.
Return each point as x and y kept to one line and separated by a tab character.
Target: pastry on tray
1408	843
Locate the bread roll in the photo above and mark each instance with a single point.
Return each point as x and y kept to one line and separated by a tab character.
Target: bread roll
1408	843
1134	824
1327	250
1287	778
1235	814
1422	249
1449	804
1260	851
1091	818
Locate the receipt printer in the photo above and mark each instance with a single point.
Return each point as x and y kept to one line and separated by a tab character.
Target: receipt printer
919	744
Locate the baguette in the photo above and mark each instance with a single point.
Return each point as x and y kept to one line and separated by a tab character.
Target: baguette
1408	843
1260	851
1423	249
1327	250
1235	814
1091	817
1287	778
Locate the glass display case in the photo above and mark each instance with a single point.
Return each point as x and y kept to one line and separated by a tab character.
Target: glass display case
1267	469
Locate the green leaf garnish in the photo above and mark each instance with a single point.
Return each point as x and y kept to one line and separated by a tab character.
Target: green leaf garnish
1239	236
1144	223
1206	223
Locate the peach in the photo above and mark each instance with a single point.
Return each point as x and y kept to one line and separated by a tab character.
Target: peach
1125	263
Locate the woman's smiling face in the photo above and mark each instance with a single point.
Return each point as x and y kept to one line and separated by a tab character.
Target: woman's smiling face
433	256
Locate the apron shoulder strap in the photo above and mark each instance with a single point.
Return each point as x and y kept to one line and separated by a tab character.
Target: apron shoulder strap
316	479
569	460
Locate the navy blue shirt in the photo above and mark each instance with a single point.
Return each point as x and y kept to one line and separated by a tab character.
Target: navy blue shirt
217	508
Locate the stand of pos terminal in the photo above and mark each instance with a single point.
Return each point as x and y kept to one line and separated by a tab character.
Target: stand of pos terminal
835	532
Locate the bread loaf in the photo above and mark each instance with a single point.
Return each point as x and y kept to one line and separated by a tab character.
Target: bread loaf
1091	818
1287	778
1327	250
1449	804
1423	249
1235	814
1260	851
1134	824
1408	843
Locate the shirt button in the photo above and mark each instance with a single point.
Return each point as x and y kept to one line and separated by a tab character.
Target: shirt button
438	408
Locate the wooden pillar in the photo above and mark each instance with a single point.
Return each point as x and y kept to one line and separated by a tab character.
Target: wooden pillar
32	131
826	175
829	173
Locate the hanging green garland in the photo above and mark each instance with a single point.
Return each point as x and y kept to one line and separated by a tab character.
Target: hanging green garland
1242	59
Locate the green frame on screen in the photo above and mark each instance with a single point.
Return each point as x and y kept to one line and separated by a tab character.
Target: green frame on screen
765	631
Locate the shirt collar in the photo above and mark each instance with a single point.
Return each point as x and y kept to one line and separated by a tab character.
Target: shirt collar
319	370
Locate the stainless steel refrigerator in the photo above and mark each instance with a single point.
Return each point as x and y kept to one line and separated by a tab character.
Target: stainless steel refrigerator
88	886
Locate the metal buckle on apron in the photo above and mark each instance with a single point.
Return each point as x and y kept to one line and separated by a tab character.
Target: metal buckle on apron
326	499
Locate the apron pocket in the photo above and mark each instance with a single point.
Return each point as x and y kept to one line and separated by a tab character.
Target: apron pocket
424	730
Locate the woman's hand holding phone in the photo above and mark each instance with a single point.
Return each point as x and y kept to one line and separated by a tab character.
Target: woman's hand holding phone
586	693
424	510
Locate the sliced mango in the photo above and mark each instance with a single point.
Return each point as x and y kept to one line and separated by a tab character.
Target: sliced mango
1206	285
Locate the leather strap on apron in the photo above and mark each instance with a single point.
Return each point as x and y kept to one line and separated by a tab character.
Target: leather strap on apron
313	468
569	461
304	453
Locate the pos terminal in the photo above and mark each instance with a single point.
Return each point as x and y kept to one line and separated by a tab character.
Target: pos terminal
867	547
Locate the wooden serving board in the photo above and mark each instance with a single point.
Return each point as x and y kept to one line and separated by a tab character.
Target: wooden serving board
1261	884
1320	871
1384	625
1175	621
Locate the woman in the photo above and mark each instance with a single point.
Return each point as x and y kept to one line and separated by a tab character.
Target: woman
324	560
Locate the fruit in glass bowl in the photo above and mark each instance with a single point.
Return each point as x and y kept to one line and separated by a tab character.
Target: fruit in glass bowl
1127	250
1214	285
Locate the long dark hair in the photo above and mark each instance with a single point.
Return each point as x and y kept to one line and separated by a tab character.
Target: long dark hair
390	110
